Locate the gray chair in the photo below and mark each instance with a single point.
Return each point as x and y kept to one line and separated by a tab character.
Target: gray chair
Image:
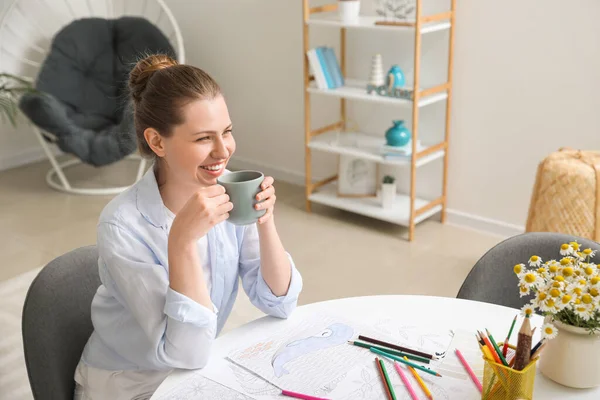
492	279
57	322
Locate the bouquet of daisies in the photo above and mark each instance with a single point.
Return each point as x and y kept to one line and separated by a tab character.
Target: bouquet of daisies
567	290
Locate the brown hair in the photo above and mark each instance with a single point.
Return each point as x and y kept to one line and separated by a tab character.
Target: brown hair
159	87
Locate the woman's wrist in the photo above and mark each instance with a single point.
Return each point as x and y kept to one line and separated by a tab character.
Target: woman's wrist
267	227
181	243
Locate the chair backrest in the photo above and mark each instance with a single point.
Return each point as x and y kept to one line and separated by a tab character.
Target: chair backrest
492	279
28	27
57	322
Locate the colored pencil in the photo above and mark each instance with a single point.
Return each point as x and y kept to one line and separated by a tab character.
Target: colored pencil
491	348
523	353
390	351
496	348
537	346
402	360
505	347
420	380
406	382
387	379
395	347
538	351
384	381
469	370
300	395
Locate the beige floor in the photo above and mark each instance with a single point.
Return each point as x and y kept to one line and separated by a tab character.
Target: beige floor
339	254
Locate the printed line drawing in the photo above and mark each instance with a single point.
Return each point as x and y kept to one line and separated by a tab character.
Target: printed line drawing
334	335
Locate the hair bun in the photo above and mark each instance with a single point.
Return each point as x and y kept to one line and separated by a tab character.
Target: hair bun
143	70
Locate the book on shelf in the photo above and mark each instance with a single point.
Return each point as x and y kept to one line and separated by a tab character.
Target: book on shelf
325	67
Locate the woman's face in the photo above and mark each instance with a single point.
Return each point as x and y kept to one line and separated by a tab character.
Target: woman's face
199	149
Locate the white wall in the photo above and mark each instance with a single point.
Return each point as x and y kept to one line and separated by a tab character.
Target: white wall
525	79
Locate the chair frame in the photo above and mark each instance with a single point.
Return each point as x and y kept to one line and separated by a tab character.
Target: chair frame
48	140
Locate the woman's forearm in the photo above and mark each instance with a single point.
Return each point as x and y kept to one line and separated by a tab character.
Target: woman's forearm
275	265
185	272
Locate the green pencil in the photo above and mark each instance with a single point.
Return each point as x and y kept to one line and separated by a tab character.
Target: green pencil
497	348
402	360
387	379
505	347
389	351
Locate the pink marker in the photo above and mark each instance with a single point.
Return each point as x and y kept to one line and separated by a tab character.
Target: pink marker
300	396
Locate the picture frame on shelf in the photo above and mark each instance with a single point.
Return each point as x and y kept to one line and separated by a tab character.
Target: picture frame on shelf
357	177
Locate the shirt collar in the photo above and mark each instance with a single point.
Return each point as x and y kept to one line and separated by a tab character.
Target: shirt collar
149	202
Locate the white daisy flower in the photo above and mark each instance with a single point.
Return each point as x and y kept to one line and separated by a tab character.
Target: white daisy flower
548	305
589	253
595	281
531	279
527	310
549	331
566	249
553	267
565	261
535	261
524	290
575	246
583	311
575	289
568	272
519	270
588	270
564	301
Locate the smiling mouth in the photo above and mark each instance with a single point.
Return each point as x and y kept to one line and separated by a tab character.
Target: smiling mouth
213	167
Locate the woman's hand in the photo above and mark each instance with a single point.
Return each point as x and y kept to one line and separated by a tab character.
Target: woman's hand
267	199
204	209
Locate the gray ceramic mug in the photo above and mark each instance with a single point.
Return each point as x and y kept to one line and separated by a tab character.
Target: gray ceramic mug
242	188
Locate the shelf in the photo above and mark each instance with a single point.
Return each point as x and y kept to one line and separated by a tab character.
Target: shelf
364	146
357	90
366	22
399	213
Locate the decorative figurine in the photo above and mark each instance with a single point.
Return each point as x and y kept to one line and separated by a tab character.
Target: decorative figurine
376	78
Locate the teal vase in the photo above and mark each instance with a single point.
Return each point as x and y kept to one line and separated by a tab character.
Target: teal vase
398	135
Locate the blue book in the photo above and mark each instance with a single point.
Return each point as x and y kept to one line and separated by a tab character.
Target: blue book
334	67
323	62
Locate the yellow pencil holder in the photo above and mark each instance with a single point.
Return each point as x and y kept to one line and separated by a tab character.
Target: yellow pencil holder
504	383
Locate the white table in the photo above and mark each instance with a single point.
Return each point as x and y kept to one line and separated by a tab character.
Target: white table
447	313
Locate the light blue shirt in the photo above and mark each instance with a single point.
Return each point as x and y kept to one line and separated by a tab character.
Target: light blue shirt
140	323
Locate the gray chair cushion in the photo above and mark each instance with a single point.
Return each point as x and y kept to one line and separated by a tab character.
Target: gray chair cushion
57	322
83	95
492	279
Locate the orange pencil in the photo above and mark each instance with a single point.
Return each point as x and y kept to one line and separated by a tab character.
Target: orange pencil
491	348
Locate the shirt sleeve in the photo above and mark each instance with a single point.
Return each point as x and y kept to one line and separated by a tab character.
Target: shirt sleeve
256	288
180	329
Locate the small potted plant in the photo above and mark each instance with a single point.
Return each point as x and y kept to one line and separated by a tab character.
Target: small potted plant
11	87
388	191
349	10
567	292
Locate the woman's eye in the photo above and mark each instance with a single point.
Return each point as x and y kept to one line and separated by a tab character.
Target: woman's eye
202	139
227	132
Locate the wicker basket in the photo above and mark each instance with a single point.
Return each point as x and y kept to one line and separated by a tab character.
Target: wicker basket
566	194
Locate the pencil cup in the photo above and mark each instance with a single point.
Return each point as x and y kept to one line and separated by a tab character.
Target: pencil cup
504	383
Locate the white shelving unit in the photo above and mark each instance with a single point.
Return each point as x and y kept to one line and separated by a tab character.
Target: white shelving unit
365	22
408	210
365	146
355	90
371	207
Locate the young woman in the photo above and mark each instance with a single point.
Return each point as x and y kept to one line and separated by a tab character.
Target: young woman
168	259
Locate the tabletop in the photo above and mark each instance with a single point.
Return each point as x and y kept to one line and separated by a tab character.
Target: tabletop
439	312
